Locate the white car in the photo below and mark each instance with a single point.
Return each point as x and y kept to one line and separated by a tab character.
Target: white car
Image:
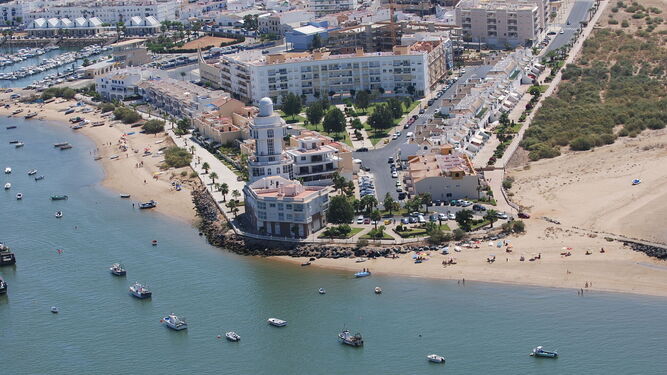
421	219
409	135
451	216
395	136
502	215
442	216
360	220
398	183
394	174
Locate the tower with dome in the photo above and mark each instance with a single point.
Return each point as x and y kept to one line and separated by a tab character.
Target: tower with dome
268	130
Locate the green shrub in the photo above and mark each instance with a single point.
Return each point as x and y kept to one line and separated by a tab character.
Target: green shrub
153	126
107	107
177	157
581	144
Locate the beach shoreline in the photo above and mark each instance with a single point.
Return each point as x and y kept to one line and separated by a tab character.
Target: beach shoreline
133	173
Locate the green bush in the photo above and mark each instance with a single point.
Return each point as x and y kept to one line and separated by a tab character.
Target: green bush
128	116
153	126
177	157
107	107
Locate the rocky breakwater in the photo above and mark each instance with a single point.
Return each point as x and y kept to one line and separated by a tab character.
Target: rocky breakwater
650	250
218	232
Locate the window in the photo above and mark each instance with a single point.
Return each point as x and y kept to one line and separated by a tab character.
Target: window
261	205
280	206
288	206
269	133
272	205
298	208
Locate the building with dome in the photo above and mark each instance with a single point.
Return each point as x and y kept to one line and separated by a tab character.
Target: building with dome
268	129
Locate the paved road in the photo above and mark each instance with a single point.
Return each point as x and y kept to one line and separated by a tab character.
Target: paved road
579	13
377	160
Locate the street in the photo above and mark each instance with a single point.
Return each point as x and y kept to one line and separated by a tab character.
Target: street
579	13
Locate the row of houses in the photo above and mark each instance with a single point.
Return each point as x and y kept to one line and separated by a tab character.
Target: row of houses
81	26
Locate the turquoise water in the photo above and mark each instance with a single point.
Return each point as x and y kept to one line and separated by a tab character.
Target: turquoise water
480	328
25	81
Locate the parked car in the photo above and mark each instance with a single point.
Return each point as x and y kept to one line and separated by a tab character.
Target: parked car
442	216
478	207
399	189
390	160
395	136
430	102
414	214
422	111
437	202
413	220
524	215
367	221
502	215
433	218
451	216
405	220
465	203
363	149
402	195
394	174
421	219
360	220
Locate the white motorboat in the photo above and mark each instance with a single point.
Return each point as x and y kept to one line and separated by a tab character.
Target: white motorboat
117	269
32	172
378	290
435	358
347	338
59	214
20	144
232	336
54	309
140	291
8	170
277	322
540	352
322	291
19	196
8	186
174	322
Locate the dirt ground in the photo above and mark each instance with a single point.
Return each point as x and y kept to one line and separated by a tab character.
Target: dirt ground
206	41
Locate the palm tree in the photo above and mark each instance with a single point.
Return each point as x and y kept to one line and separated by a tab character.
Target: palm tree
217	187
192	149
205	167
491	216
236	194
213	176
375	216
224	189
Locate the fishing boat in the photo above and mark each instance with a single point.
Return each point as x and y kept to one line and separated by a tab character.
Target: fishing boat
322	291
117	269
149	204
3	286
60	144
11	127
174	322
17	111
19	196
39	178
30	115
65	147
362	274
154	242
13	142
277	322
59	197
8	186
140	291
304	264
378	290
54	309
8	170
20	144
540	352
125	195
347	338
32	172
435	358
59	214
232	336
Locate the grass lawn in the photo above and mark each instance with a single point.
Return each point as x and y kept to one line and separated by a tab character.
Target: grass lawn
480	225
412	233
402	212
291	119
385	236
342	136
354	231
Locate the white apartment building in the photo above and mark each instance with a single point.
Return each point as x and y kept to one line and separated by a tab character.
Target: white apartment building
123	83
268	130
277	206
279	23
14	11
322	7
252	76
314	163
502	23
109	11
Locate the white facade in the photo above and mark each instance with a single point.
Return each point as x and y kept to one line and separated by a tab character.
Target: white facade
110	11
122	83
314	163
321	7
268	130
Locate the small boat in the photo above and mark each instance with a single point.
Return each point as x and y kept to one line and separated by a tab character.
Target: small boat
154	242
20	144
54	309
19	196
117	269
3	286
232	336
347	338
435	358
13	142
636	181
32	172
378	290
140	291
30	115
174	322
59	197
277	322
362	274
539	352
8	170
65	147
305	264
39	178
322	291
8	186
11	127
125	195
17	111
61	144
149	204
59	214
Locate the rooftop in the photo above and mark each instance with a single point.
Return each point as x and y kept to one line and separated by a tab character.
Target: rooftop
281	188
433	165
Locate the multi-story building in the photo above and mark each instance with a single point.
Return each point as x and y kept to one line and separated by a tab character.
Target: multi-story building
251	75
226	124
42	27
419	7
279	23
277	206
321	7
179	98
502	23
130	52
314	162
13	12
268	130
123	83
108	11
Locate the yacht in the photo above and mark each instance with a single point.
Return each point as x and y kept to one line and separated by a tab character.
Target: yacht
347	338
322	291
149	204
378	290
30	115
435	358
17	111
32	172
140	291
232	336
540	352
8	186
277	322
117	269
174	322
59	214
20	144
19	196
8	170
3	286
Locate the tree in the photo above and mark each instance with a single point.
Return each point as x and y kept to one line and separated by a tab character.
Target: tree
368	202
177	157
205	167
334	121
339	182
183	76
233	207
213	176
464	219
250	22
361	243
425	199
458	234
236	194
375	216
411	90
491	216
291	105
388	203
362	100
395	107
153	126
183	125
314	113
317	42
381	118
340	210
224	190
436	236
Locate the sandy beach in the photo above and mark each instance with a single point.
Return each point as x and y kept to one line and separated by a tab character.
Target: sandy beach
127	172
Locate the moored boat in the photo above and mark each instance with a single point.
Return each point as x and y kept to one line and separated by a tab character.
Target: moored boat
117	269
60	144
347	338
3	286
59	197
20	144
232	336
140	291
277	322
125	195
363	273
378	290
322	291
540	352
54	309
39	178
8	186
435	358
59	214
32	172
149	204
11	127
8	170
7	258
174	322
30	115
13	142
65	147
19	196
